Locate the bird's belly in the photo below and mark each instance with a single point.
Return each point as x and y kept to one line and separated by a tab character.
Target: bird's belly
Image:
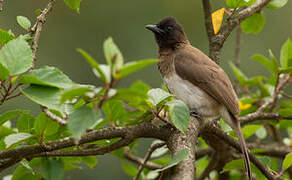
193	96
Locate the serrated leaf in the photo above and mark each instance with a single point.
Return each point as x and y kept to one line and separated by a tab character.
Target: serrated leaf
217	18
16	56
47	76
286	54
93	63
24	22
253	24
16	138
9	115
73	4
179	115
82	119
134	66
52	169
45	96
239	75
45	126
113	55
265	62
276	4
5	37
177	158
157	95
287	161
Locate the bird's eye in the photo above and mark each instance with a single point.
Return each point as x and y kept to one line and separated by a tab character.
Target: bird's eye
169	28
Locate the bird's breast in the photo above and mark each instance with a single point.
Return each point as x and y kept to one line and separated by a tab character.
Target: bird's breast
193	96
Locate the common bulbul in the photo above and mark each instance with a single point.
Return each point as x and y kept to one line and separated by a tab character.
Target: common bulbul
195	79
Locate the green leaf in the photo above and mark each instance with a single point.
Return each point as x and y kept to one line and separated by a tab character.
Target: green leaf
113	55
5	37
93	63
286	71
73	4
38	12
90	161
285	112
114	110
16	56
157	95
5	131
261	133
45	126
52	169
239	3
81	119
9	115
45	96
276	4
16	138
25	123
24	22
23	173
253	24
239	75
249	130
266	62
78	91
134	66
287	161
130	169
47	76
4	73
234	164
179	115
106	71
177	158
286	54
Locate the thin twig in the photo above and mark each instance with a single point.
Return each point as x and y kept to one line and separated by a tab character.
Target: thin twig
138	160
147	157
54	116
37	28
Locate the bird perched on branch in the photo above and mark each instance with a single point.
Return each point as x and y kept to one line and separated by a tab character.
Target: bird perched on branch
195	79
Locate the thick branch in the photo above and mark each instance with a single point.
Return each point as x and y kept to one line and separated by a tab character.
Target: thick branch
146	130
219	133
177	142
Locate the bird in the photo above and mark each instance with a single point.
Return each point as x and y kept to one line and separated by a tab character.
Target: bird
193	77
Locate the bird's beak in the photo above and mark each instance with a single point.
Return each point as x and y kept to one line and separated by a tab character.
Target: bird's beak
154	29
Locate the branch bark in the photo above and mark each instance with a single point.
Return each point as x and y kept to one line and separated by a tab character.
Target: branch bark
177	142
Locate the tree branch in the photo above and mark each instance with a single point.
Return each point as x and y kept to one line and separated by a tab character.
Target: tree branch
53	116
147	157
177	142
138	160
1	5
37	28
146	130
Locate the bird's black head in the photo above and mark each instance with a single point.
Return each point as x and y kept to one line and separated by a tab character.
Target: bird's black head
168	33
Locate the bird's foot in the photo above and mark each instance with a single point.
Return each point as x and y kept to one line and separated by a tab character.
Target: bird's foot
195	114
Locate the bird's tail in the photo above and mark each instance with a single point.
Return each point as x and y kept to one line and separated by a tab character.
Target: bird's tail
243	148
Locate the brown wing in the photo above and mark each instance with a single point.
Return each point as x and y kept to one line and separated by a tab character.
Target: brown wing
200	70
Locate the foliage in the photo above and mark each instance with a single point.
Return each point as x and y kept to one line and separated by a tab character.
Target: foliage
84	107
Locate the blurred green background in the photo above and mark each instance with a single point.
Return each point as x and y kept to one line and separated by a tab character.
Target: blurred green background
124	20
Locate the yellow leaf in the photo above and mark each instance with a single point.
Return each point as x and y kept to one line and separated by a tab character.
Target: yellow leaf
217	18
243	106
